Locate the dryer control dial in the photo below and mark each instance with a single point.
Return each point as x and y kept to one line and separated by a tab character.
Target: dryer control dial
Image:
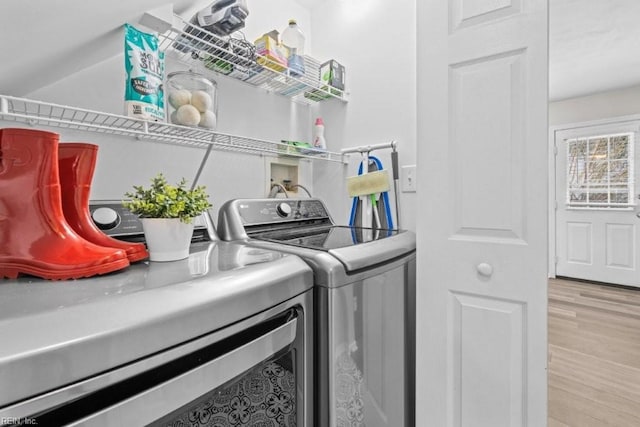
283	209
105	218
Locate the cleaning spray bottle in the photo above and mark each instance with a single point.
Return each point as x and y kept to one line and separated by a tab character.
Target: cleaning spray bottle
318	135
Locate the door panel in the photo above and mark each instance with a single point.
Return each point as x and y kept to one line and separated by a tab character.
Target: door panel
621	248
599	244
579	243
480	324
480	140
474	12
482	240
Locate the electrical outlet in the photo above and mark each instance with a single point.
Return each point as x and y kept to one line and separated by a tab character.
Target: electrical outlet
408	179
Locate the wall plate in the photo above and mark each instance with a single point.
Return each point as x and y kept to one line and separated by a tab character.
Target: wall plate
408	179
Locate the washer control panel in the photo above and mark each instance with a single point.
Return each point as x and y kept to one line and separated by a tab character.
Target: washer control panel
117	221
273	211
114	219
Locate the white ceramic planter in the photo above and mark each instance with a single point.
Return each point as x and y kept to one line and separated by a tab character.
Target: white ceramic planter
168	239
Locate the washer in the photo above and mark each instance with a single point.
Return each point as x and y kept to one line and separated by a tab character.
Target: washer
364	298
160	343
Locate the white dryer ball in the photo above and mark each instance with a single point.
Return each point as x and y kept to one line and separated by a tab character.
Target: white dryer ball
201	100
173	118
208	120
188	115
179	97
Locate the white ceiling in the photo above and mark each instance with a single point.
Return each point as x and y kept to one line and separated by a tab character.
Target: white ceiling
594	44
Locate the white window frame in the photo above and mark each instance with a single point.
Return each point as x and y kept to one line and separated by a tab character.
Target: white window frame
607	187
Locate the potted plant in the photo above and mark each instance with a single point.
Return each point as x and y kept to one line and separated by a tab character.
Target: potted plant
166	212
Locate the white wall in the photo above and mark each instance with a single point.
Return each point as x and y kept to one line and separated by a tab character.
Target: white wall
376	41
615	103
243	110
381	108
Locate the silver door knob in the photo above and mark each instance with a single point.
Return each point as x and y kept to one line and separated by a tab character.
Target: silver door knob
484	269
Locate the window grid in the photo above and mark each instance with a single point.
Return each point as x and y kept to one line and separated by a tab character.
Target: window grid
600	171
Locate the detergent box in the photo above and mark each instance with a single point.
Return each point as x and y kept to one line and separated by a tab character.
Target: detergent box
271	54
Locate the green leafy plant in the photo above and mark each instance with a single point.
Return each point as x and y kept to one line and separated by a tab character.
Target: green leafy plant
163	200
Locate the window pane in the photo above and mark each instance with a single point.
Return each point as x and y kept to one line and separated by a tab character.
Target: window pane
598	148
620	197
577	147
577	178
619	172
619	148
577	197
598	197
577	150
600	170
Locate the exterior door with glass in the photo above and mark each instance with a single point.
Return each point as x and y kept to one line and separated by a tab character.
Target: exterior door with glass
596	211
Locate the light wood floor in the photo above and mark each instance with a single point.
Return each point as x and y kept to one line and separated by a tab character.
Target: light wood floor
594	355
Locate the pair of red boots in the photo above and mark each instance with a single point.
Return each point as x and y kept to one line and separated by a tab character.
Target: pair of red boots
46	228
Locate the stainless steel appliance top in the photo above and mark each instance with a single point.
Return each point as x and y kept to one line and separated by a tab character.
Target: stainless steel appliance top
304	227
57	332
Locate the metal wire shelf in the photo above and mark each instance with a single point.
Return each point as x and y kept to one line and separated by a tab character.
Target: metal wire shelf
60	116
236	58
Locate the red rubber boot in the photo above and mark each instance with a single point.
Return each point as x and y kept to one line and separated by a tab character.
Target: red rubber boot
77	162
35	238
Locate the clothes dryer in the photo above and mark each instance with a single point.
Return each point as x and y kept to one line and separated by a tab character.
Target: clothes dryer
222	337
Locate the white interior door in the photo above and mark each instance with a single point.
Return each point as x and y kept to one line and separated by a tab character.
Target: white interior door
596	186
482	232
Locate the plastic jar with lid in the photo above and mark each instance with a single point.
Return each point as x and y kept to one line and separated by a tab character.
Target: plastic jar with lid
192	100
